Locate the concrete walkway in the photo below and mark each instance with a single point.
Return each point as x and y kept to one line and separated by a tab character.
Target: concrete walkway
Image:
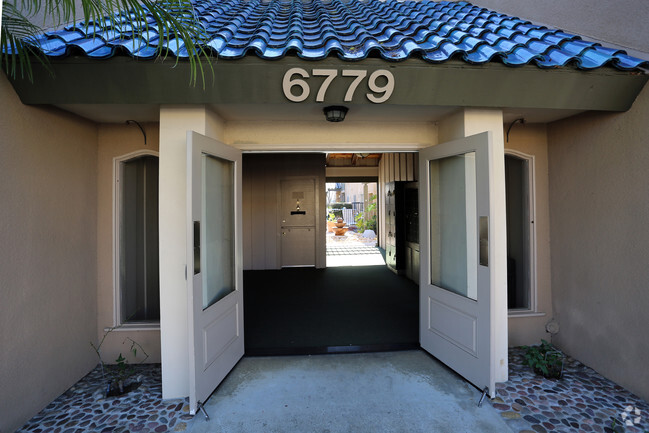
353	249
374	392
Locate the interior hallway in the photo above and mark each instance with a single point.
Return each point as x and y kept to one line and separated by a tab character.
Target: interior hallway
342	309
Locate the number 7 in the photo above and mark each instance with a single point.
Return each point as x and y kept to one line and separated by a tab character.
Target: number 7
359	74
330	74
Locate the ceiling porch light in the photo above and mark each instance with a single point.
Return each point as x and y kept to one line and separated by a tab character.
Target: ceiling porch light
335	113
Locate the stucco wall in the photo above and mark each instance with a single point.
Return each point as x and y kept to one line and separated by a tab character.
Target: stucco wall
531	139
622	22
116	140
48	274
316	136
599	212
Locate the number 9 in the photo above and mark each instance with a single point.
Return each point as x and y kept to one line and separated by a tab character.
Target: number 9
288	83
387	89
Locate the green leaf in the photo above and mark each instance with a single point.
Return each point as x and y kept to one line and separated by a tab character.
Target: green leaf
176	22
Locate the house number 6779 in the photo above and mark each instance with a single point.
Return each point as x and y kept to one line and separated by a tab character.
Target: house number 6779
296	88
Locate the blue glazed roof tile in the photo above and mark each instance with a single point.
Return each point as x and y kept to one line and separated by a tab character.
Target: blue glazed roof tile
351	30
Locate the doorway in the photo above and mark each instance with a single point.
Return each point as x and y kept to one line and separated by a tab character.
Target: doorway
489	212
308	305
352	224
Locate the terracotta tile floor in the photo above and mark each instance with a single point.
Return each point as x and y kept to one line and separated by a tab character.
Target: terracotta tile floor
581	401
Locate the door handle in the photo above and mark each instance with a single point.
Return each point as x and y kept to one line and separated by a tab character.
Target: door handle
484	241
197	247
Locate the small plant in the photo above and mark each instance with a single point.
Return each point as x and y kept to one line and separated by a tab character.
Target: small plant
119	377
615	427
370	224
544	359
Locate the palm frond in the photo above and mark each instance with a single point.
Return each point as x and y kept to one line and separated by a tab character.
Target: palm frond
170	26
17	43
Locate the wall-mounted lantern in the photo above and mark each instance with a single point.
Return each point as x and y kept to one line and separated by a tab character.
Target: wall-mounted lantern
335	113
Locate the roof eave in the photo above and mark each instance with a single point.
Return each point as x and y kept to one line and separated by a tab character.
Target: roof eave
251	80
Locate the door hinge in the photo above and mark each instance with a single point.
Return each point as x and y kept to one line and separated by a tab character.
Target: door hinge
185	272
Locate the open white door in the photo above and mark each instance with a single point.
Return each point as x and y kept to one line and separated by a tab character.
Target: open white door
214	264
459	323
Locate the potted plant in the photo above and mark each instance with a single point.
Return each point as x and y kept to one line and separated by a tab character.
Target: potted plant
331	222
545	360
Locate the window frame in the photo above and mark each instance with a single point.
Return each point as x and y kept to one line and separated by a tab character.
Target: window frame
531	179
118	161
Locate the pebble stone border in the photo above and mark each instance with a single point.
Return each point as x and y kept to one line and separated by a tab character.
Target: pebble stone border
581	401
83	408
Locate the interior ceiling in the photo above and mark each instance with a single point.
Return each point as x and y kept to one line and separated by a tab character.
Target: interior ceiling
353	159
120	113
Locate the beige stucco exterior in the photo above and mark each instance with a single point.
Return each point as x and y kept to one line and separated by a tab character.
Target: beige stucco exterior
599	214
531	140
56	171
318	136
56	221
115	141
598	203
48	272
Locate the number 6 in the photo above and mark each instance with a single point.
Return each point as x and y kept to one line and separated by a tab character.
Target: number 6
288	83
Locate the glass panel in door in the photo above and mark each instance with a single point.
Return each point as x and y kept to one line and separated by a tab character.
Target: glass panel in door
218	211
453	228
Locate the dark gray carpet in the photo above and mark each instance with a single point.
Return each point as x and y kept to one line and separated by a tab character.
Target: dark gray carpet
306	310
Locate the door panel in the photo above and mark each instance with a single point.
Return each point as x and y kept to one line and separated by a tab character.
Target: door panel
214	257
298	227
463	333
456	285
298	246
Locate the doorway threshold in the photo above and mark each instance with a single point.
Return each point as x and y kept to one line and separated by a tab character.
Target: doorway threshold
324	350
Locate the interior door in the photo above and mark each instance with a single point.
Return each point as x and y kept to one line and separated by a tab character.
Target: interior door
298	213
461	261
214	258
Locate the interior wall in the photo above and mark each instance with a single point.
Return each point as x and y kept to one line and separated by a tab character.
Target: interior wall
262	174
531	139
116	140
600	243
48	271
394	167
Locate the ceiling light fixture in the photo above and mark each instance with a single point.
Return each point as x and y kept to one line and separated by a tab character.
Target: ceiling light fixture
335	113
